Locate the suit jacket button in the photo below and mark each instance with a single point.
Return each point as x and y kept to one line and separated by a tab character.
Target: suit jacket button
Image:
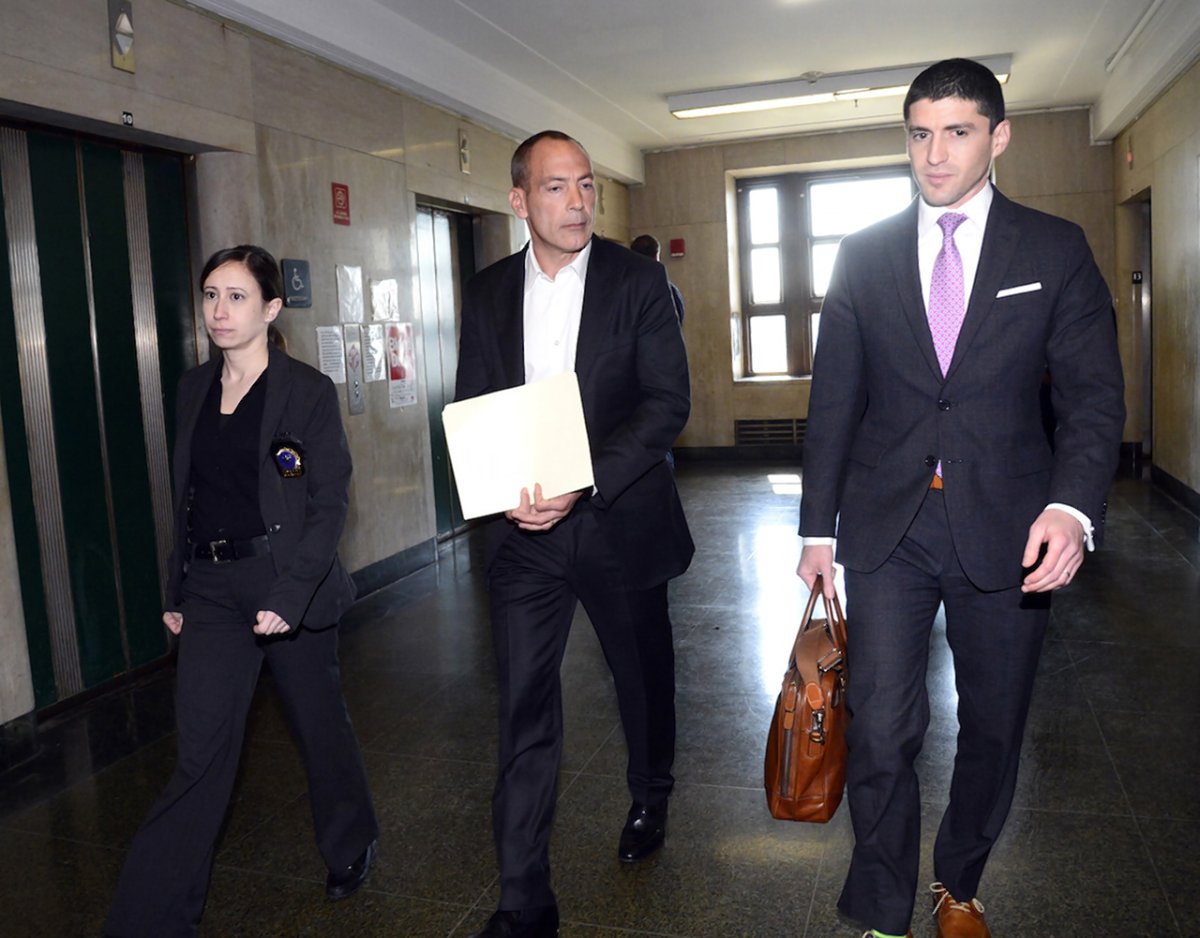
931	461
944	404
275	527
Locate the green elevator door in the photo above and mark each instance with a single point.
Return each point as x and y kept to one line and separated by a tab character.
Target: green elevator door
94	301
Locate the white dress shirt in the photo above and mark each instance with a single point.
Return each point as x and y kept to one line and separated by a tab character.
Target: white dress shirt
553	307
968	238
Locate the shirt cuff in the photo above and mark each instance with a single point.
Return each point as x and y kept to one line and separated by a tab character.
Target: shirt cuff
1088	530
816	541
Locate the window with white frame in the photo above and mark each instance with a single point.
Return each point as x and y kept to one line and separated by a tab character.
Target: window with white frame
789	228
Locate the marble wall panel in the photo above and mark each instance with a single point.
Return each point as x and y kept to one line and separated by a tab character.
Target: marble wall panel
1175	237
1049	154
301	94
391	505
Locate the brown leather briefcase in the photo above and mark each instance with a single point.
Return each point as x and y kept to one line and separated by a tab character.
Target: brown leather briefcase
805	767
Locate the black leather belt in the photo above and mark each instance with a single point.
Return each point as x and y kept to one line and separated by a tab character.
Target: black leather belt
229	551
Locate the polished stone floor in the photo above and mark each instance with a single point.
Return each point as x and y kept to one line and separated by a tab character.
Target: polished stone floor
1103	840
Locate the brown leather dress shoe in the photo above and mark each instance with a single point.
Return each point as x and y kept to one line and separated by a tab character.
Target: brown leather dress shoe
957	919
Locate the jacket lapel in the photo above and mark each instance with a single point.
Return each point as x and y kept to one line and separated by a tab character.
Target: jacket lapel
189	413
510	321
278	386
594	318
1000	240
908	281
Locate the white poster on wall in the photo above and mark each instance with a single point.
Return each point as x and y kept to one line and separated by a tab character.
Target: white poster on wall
374	353
402	365
350	293
385	300
331	353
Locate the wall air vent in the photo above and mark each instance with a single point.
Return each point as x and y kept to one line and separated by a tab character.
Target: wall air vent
778	431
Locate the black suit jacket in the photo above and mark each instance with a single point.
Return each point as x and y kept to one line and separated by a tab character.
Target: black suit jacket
881	414
303	516
633	380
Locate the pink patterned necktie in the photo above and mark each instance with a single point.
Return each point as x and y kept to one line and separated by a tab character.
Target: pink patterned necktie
947	305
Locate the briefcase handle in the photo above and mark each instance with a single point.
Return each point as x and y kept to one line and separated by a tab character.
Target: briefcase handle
833	614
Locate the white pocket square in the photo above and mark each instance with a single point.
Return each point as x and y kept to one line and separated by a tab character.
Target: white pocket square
1023	288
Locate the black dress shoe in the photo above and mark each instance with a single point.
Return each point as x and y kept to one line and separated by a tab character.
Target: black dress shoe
343	883
541	922
644	832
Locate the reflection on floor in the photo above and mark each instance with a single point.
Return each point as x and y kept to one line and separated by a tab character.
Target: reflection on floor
1102	840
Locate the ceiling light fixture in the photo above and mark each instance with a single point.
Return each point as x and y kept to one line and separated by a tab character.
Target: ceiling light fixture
813	88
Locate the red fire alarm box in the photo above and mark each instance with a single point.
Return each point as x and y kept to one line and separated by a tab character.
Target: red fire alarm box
341	203
677	247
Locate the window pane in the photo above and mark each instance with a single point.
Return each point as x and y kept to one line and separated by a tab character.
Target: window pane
764	276
768	345
814	327
838	208
823	256
764	216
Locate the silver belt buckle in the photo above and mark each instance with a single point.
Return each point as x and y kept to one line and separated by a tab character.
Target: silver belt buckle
217	551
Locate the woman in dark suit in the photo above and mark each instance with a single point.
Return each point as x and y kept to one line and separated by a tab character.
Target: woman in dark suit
262	472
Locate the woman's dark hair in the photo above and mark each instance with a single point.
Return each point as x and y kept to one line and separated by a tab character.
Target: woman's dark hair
959	78
262	266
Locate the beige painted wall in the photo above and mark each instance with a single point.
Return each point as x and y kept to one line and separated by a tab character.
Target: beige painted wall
1158	157
688	194
269	128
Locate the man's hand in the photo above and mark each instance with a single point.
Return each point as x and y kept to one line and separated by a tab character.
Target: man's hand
817	560
1063	536
542	513
269	623
173	621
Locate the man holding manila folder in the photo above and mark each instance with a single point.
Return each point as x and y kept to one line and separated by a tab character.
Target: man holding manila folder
573	302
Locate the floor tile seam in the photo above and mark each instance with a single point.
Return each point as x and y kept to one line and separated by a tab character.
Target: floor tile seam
90	776
74	841
368	747
1145	843
1065	812
826	845
583	770
623	930
685	783
481	904
226	844
368	887
1176	507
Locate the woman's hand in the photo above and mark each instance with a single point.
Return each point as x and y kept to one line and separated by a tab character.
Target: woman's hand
173	621
269	623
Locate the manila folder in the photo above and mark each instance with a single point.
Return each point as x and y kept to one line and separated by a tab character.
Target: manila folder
508	440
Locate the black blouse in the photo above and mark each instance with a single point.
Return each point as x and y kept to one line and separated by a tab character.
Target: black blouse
225	464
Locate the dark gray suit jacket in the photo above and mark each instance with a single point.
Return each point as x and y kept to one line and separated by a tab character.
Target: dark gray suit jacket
881	414
303	516
633	379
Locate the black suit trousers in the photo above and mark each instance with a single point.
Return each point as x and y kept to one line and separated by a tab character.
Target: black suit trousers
995	639
162	888
535	583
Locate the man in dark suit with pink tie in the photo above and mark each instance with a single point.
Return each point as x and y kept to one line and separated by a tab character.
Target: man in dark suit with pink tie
927	460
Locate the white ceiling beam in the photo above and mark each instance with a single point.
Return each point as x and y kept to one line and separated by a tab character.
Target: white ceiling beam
372	40
1163	47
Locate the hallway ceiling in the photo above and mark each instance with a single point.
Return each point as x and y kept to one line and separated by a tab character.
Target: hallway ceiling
602	70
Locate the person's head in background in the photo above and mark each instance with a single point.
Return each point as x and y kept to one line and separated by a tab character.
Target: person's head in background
646	245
